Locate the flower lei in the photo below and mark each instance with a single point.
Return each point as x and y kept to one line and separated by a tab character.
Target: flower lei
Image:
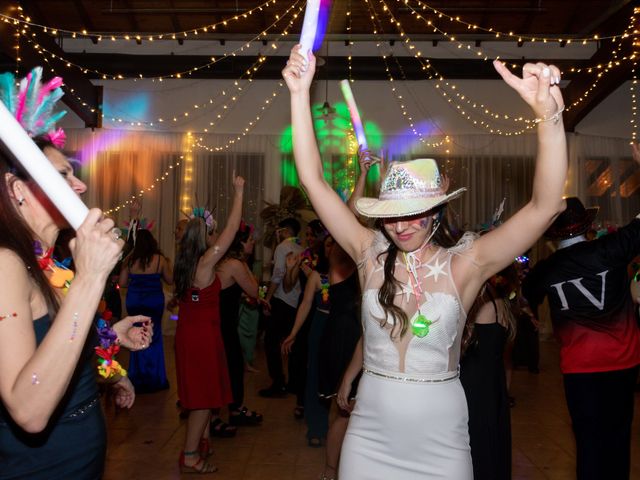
324	286
108	366
61	276
310	258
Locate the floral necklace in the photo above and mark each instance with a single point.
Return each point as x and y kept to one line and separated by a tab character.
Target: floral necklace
60	276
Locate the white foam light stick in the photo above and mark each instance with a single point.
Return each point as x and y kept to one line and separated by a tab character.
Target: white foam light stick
355	115
40	169
309	26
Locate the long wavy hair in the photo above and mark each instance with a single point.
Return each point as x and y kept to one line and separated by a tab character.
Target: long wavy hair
192	247
446	236
145	248
19	238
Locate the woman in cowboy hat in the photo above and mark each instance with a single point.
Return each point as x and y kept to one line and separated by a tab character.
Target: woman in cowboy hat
410	417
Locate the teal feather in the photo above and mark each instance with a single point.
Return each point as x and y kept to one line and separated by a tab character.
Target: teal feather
51	121
46	106
8	91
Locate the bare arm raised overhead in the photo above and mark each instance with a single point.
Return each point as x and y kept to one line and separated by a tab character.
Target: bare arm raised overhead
333	213
539	88
223	242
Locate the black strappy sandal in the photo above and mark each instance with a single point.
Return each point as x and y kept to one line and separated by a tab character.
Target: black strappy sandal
243	417
218	428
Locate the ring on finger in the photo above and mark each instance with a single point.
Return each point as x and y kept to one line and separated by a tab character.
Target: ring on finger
117	233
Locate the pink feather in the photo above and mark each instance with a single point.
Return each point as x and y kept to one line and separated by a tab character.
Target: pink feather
51	85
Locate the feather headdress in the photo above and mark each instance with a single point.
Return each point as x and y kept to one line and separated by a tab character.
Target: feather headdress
32	103
205	214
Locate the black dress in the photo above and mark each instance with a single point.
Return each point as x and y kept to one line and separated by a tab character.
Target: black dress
341	334
484	382
229	307
74	442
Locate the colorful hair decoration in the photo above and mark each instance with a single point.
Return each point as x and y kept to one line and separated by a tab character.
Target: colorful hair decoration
495	219
32	104
244	226
131	227
206	215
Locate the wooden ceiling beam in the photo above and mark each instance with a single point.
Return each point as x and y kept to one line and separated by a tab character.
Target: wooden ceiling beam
364	68
73	80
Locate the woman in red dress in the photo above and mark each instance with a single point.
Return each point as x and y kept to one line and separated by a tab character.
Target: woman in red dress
201	364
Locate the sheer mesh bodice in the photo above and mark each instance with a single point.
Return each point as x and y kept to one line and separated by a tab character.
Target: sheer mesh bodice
438	353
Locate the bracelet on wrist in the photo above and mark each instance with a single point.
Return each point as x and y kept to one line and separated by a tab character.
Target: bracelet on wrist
555	118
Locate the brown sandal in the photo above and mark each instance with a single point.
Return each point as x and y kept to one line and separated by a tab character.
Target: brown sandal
200	467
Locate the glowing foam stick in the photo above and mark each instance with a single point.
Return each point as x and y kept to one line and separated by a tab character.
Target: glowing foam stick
353	111
309	26
40	169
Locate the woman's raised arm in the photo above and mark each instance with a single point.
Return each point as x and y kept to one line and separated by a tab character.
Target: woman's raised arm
539	87
335	215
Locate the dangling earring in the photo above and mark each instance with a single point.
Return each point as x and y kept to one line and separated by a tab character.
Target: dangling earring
20	201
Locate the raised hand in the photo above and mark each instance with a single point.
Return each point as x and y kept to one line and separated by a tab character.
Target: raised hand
539	87
238	182
298	74
366	159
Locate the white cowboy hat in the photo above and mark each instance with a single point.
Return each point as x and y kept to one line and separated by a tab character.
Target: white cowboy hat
409	188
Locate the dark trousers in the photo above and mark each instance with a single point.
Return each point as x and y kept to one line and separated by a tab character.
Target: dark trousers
277	327
601	408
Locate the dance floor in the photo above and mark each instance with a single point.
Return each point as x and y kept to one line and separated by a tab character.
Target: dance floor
144	443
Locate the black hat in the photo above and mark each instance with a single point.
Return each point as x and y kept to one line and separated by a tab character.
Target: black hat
574	221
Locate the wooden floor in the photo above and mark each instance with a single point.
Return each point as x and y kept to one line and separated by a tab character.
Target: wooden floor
144	443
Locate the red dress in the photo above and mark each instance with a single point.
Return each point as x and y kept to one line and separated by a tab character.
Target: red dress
201	363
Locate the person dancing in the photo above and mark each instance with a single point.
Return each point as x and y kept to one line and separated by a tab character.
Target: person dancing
201	364
410	416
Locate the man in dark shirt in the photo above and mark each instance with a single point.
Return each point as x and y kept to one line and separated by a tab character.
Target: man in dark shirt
593	318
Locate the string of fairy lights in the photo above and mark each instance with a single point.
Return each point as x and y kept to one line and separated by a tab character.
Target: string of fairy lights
450	91
250	72
139	37
177	75
634	81
442	84
516	36
479	52
399	99
140	193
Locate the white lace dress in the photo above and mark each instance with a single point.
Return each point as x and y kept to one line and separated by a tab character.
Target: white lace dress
410	418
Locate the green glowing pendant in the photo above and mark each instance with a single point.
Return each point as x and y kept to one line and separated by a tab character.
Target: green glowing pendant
420	326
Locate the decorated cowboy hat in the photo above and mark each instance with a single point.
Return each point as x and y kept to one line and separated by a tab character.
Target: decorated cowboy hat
574	221
409	188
